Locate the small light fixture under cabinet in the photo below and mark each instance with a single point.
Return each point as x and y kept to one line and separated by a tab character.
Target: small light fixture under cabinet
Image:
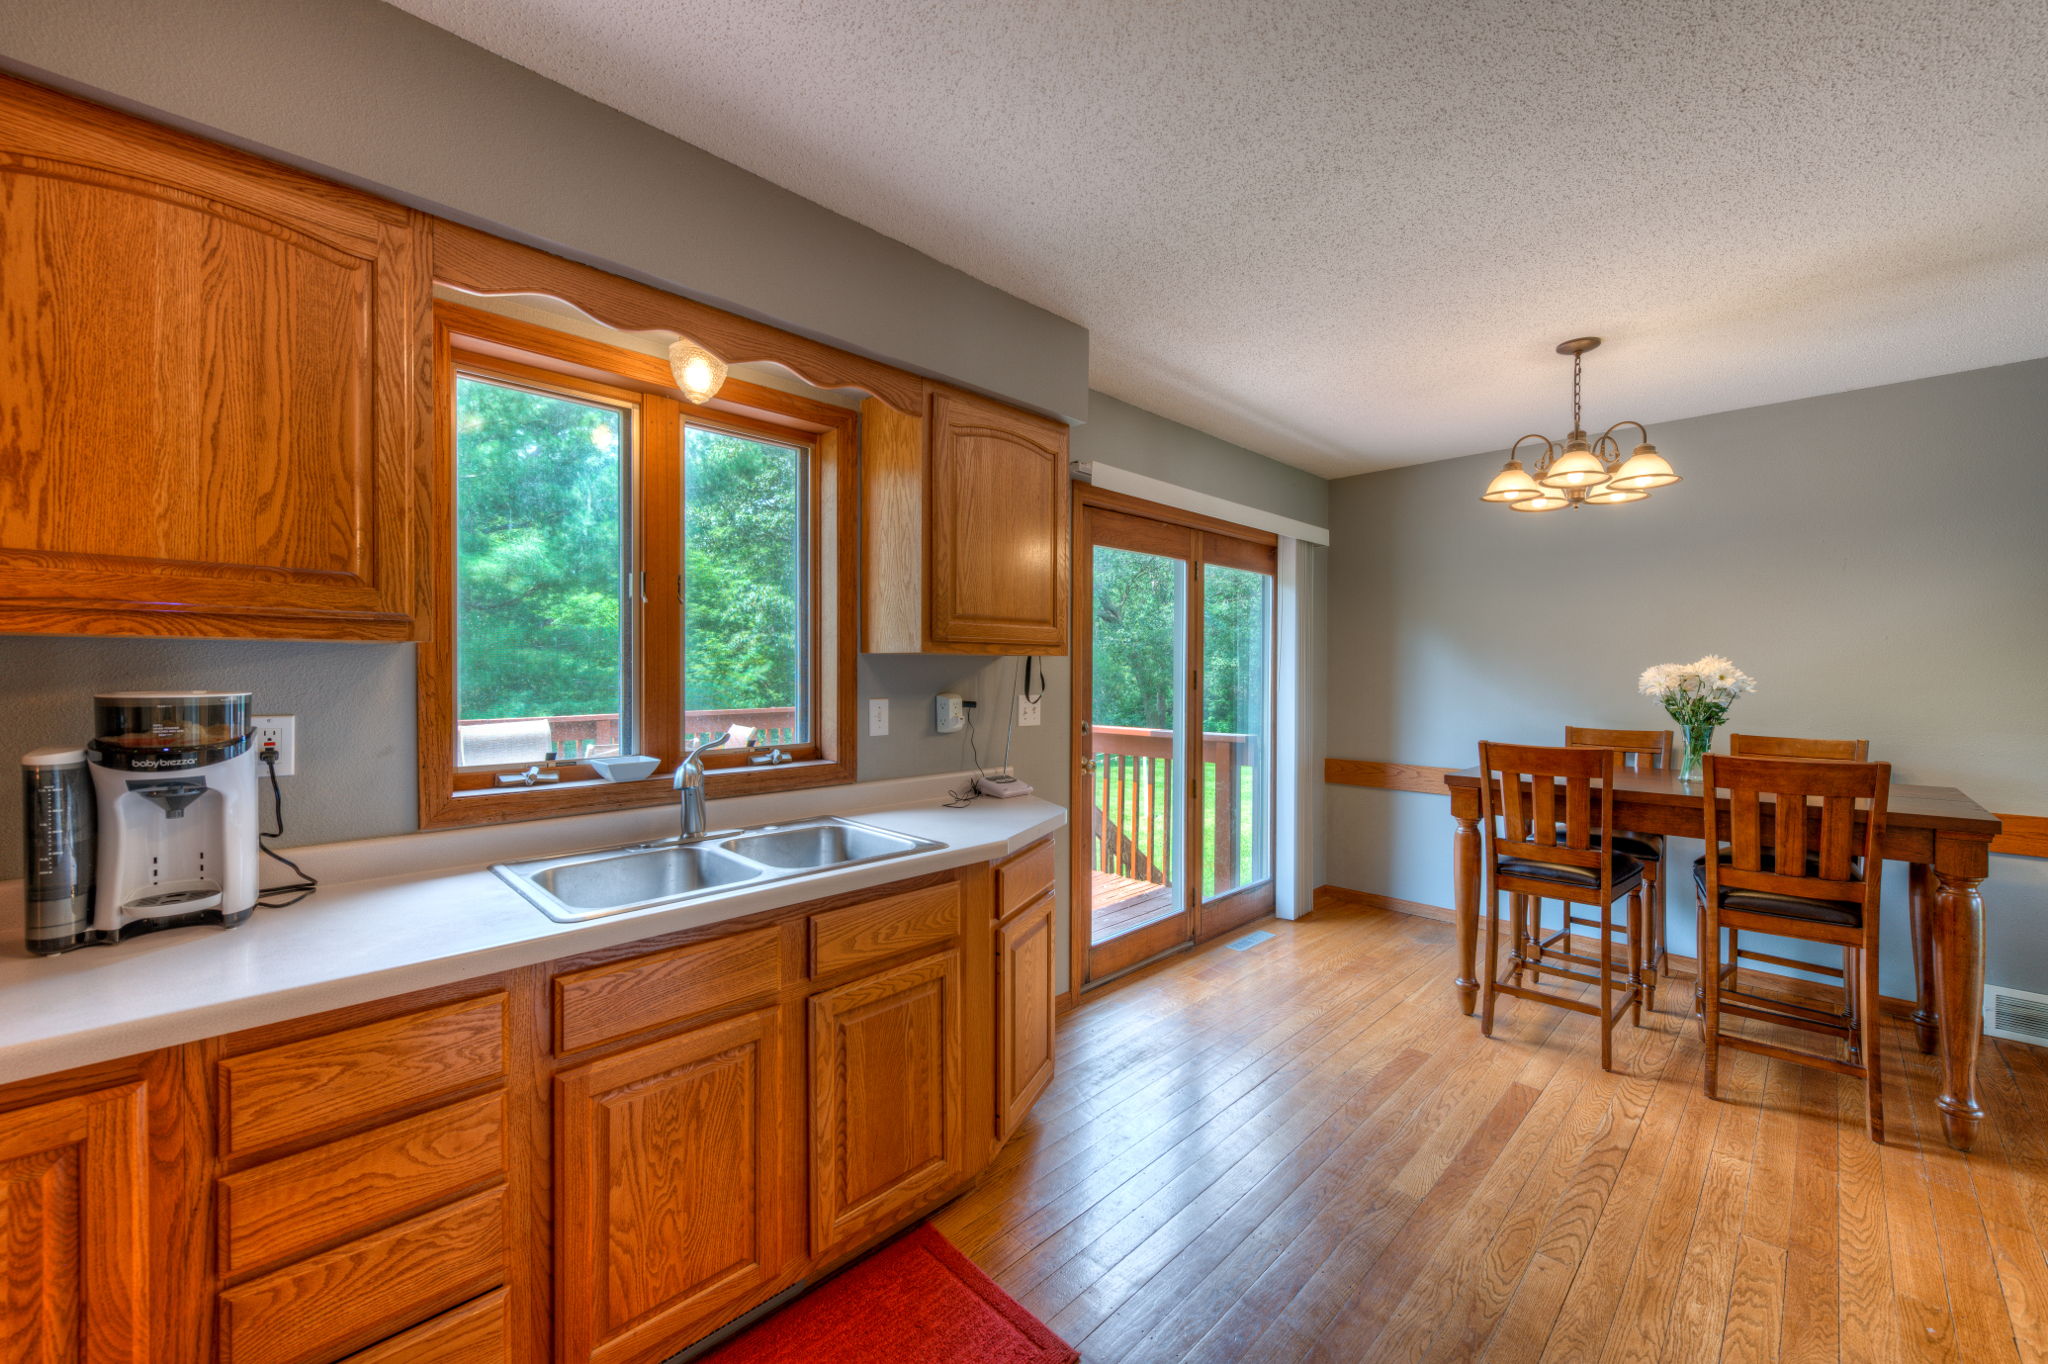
1580	471
699	373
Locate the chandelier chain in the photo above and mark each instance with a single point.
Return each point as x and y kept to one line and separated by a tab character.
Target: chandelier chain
1576	425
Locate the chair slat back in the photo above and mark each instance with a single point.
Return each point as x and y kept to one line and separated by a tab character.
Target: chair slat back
1784	792
1828	750
1635	745
1521	787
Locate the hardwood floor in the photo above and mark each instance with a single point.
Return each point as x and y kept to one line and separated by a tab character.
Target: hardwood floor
1304	1152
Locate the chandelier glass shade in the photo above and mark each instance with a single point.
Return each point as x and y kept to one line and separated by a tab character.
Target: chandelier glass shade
1579	471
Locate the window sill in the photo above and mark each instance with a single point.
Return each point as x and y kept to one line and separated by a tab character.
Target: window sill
509	804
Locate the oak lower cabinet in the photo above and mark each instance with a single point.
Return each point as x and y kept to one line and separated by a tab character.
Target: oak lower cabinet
886	1090
1024	1011
597	1160
964	528
670	1189
74	1255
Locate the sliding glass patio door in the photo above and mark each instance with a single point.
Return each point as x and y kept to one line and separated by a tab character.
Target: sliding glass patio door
1173	702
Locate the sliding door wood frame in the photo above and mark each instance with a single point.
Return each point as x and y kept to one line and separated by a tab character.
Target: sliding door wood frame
1201	540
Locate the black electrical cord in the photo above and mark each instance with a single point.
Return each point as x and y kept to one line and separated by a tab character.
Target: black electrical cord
307	883
971	793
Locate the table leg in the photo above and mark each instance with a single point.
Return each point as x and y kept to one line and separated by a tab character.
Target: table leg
1919	896
1958	1001
1465	878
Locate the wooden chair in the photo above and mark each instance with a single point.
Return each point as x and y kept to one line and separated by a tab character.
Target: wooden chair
1543	812
1766	746
1828	750
1637	747
1815	877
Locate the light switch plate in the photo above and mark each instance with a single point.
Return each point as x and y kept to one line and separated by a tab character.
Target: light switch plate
878	717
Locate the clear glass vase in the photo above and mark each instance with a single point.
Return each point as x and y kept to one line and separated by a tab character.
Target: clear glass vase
1698	740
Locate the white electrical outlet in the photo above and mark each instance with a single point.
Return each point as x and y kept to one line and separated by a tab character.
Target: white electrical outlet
1027	710
949	716
878	717
277	732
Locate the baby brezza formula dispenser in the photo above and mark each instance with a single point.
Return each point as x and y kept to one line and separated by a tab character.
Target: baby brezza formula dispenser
175	773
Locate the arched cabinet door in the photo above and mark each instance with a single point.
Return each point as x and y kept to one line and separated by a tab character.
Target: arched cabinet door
998	498
212	387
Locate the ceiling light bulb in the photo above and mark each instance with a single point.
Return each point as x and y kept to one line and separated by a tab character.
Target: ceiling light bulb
1577	467
1511	484
1612	496
1547	502
699	373
1645	469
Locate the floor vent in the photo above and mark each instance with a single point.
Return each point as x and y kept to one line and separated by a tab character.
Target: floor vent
1251	940
2017	1014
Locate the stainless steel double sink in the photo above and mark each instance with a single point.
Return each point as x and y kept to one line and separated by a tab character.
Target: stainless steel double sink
590	885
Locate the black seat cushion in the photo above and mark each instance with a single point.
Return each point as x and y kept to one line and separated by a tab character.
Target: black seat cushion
1641	849
1627	871
1784	906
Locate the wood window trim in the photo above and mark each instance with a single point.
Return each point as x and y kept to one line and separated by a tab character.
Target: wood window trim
534	355
479	263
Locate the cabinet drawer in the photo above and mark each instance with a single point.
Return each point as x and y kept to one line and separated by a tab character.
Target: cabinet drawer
1023	877
473	1333
302	1089
621	998
287	1207
884	928
322	1308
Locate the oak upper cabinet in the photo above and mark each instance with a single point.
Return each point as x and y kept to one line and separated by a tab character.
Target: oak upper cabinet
73	1207
885	1098
673	1197
211	387
965	528
1024	1011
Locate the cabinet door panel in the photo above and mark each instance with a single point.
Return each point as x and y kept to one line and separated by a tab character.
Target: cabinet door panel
998	507
670	1199
885	1097
210	365
73	1262
1024	1012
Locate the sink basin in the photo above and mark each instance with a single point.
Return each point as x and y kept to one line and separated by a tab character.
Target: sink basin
812	847
643	877
591	885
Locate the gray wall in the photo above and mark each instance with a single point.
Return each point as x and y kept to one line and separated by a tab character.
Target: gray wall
367	93
1133	439
1877	559
354	704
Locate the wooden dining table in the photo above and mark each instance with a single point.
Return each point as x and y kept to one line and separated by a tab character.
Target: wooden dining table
1942	836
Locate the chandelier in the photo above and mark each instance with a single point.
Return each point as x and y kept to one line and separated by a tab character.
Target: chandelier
1580	471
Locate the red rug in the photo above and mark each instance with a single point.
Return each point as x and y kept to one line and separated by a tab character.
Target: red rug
918	1301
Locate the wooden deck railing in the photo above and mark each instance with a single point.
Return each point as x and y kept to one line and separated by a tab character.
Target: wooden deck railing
1133	801
600	733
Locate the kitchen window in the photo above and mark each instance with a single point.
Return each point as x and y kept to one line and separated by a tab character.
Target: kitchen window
625	572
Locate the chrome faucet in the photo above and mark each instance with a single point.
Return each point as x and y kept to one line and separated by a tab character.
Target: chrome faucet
690	783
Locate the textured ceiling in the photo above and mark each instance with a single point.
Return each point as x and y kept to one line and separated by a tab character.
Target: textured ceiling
1348	234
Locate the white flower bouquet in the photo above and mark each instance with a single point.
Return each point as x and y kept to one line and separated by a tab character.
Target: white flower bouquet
1697	695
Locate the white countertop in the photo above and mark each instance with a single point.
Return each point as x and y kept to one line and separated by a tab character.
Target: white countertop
400	914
